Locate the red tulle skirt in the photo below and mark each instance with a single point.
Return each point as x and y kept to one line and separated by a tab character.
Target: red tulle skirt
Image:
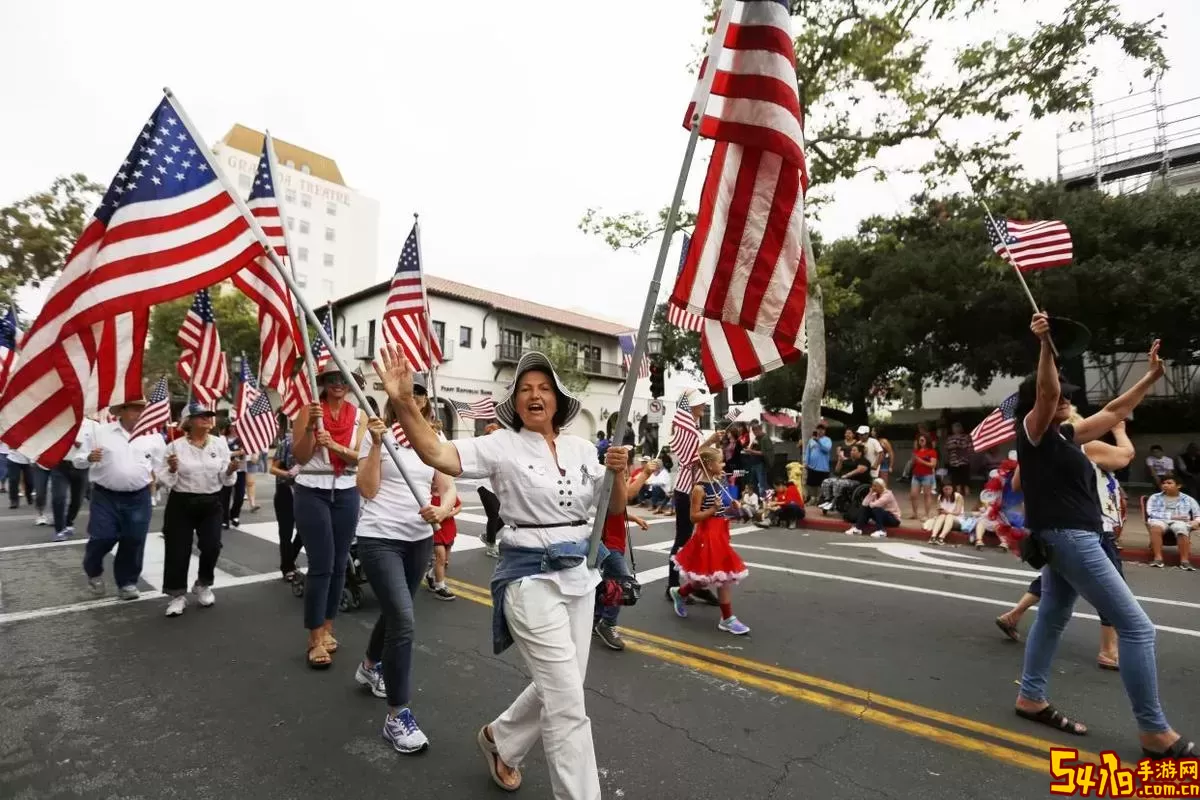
708	559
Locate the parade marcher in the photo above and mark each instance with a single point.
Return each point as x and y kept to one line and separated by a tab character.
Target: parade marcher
20	470
283	466
67	482
395	543
234	495
443	541
195	469
686	476
326	503
1063	515
120	470
542	589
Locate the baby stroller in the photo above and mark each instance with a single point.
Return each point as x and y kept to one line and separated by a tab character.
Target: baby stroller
356	578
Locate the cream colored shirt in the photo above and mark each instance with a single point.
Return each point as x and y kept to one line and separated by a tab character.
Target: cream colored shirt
318	472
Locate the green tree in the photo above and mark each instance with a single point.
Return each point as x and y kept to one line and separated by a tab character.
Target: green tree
564	355
237	324
868	85
38	232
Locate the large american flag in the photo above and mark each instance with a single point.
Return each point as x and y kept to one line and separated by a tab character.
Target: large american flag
165	227
405	321
278	330
1032	245
679	317
684	444
157	412
628	342
298	392
746	262
483	408
201	352
997	428
729	354
8	344
256	425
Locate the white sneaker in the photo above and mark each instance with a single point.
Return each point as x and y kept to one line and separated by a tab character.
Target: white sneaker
42	520
176	606
204	595
879	535
853	532
128	592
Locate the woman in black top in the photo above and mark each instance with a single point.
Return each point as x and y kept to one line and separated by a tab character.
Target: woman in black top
1062	509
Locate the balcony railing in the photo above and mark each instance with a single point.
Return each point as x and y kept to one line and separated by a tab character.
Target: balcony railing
511	354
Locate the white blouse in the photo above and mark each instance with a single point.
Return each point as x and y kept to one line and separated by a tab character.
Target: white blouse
202	470
535	491
318	472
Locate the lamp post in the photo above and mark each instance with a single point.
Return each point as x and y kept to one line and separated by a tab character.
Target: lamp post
654	341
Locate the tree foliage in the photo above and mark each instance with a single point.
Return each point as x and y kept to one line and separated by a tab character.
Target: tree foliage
38	232
237	324
564	356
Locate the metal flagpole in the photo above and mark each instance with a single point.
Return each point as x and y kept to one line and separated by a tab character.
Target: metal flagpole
428	318
639	347
389	443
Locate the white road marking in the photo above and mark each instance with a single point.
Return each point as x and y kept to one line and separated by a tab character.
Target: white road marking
927	555
154	559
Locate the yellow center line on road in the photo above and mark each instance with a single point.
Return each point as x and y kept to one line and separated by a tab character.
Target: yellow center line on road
869	708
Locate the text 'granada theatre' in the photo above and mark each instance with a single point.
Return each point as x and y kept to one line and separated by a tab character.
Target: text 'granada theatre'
482	334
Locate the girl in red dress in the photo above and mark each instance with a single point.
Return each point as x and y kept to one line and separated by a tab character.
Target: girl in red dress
708	561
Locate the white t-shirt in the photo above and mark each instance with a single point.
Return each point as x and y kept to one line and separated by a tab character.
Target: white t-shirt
534	490
872	449
394	513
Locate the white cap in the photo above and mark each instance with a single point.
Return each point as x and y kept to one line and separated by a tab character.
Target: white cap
863	430
1012	455
698	397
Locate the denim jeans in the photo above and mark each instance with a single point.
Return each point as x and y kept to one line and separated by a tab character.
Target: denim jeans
66	480
760	475
326	519
232	498
394	569
881	517
15	473
119	519
1109	543
613	566
1077	565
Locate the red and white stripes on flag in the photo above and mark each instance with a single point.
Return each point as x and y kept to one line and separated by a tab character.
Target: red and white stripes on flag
729	354
164	228
681	318
201	361
1034	245
684	444
483	408
997	428
296	395
405	317
255	425
278	329
157	412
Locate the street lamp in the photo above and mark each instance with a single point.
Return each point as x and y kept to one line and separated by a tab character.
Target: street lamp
654	342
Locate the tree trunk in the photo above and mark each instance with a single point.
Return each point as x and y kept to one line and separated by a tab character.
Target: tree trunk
814	322
860	411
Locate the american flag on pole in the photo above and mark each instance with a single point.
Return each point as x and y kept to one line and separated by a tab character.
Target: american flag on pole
405	321
729	354
255	425
401	438
157	412
298	393
200	351
734	414
165	227
278	329
483	408
684	444
8	344
1032	245
628	342
681	318
997	428
746	263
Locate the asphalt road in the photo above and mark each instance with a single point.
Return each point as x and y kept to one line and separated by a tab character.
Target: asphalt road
873	670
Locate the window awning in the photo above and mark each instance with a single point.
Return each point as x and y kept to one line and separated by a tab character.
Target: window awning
779	420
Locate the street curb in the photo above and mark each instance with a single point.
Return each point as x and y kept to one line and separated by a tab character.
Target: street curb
1140	555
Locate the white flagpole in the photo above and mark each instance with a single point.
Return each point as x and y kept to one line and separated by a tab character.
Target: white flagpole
428	318
389	443
715	46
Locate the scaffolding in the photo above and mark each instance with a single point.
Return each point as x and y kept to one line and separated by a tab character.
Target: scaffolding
1132	143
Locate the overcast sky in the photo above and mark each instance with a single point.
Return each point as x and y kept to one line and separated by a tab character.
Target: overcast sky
500	123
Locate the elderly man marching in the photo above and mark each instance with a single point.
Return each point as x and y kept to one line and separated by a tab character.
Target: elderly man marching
120	470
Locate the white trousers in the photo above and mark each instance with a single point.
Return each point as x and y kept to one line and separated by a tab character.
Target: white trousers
553	632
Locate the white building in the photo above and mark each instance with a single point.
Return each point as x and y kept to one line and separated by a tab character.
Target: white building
483	334
333	229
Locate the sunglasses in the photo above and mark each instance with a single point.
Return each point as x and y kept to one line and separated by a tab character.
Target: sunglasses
335	379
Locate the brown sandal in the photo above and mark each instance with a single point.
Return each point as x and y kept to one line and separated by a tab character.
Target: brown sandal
315	653
331	644
490	752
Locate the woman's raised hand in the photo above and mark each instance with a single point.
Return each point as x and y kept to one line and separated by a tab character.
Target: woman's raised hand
395	373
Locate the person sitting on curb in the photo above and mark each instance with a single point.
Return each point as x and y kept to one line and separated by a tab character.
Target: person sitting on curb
1172	510
879	508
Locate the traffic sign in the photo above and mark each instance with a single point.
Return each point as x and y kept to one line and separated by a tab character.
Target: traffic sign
654	411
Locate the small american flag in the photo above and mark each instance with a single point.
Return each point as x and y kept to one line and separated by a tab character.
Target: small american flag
684	444
997	427
405	318
256	425
165	227
201	351
401	439
1033	245
679	317
8	344
278	329
628	342
734	414
298	393
157	412
483	408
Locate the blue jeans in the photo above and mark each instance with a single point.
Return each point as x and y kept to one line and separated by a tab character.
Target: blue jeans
613	566
394	569
760	475
1109	543
1077	565
119	519
326	519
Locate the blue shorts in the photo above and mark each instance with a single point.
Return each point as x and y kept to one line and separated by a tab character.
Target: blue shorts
924	480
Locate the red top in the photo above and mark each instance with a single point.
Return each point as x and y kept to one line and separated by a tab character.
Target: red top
616	532
791	495
449	524
920	470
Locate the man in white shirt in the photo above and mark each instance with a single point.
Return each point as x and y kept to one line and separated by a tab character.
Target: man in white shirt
120	470
872	449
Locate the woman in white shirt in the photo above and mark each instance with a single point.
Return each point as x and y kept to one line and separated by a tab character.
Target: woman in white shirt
542	589
395	544
196	468
325	444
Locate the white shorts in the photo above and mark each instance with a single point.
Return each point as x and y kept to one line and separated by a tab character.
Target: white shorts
1175	526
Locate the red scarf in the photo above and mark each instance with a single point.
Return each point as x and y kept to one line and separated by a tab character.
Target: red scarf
341	430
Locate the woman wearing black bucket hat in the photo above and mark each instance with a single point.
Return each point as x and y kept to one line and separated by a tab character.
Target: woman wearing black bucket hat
1063	516
542	589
